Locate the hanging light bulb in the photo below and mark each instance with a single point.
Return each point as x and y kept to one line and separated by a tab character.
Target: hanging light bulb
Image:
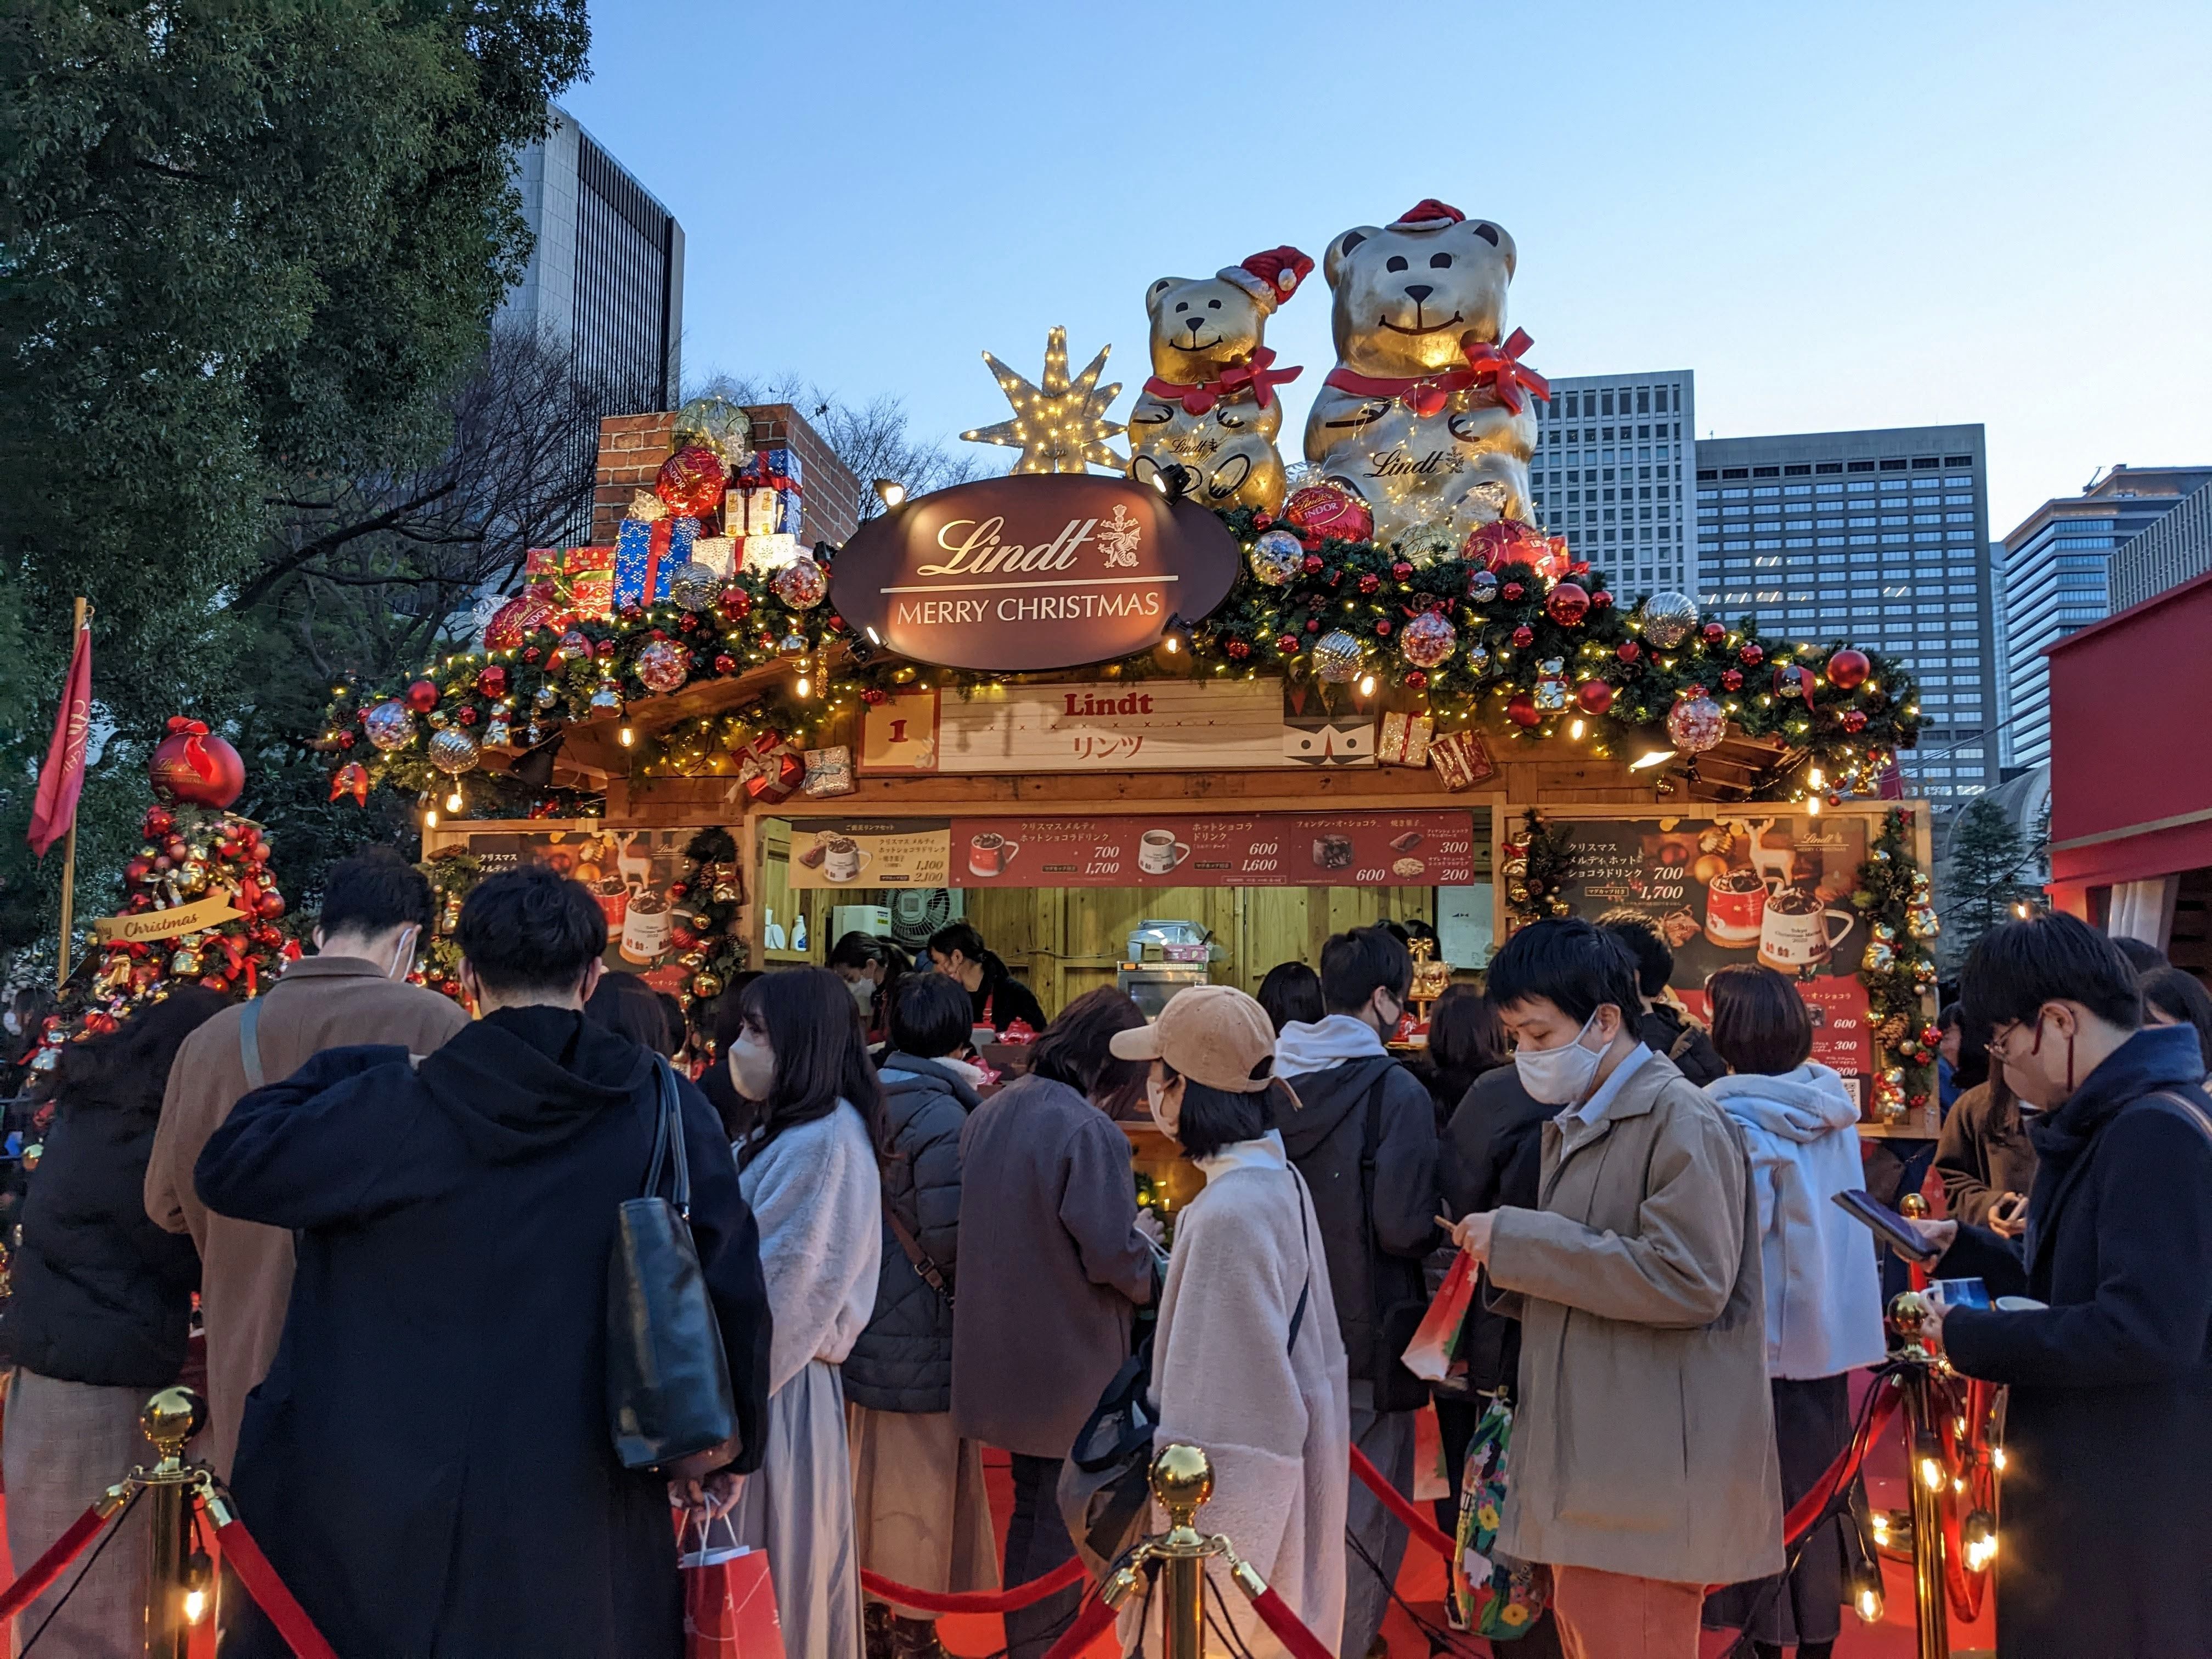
453	802
627	736
1575	727
1812	807
1816	779
430	818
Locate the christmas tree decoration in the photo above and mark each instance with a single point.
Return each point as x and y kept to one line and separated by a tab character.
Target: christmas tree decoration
1478	659
499	729
190	764
1567	604
1428	639
1551	694
1482	586
1667	618
607	700
1696	723
1848	669
694	586
1276	557
1428	542
422	696
453	751
802	584
1337	656
516	619
718	424
1522	709
691	481
1595	696
1060	426
351	778
662	666
1795	683
1327	510
1511	541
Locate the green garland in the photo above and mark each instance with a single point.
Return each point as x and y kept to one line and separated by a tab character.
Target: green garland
1517	669
1897	968
1535	871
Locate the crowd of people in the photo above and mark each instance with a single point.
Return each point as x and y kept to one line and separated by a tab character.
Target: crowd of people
397	1222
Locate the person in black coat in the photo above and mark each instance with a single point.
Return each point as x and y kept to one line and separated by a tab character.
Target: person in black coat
429	1464
2107	1496
918	1506
1662	1027
101	1299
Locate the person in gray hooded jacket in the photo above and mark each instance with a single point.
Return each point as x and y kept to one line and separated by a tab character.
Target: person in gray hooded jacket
920	1511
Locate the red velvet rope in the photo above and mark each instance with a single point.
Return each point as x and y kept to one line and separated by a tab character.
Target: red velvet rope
1290	1630
1809	1509
1092	1622
1395	1501
1065	1576
261	1581
50	1566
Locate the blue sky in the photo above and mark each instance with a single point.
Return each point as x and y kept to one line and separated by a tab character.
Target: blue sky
1837	215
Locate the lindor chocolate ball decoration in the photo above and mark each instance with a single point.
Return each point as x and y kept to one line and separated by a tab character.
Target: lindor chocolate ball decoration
1328	511
190	764
691	481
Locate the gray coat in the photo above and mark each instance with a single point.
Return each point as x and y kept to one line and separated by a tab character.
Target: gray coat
903	1361
1054	1271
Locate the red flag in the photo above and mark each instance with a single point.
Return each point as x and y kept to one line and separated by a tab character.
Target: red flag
61	780
1891	785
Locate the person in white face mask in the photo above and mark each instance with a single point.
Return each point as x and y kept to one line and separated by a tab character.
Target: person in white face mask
1641	1465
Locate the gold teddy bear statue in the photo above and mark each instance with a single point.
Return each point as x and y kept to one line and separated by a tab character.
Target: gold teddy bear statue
1427	414
1209	406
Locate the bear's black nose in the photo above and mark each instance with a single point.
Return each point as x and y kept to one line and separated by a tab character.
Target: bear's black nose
1419	290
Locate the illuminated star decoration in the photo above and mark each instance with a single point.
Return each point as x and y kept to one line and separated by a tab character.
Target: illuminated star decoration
1060	427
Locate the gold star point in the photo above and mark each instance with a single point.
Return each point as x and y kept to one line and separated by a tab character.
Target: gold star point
1070	413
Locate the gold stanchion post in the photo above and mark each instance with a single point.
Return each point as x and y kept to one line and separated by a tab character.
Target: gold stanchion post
177	1587
1908	1313
1182	1480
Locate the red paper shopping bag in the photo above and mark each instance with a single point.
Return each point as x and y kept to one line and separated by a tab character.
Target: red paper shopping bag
729	1602
1428	1355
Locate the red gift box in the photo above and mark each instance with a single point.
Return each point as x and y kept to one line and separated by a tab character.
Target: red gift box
769	769
579	581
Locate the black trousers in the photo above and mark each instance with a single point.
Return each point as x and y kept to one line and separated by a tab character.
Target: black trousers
1037	1542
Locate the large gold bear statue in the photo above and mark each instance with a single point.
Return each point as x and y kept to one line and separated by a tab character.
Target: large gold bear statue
1209	406
1426	415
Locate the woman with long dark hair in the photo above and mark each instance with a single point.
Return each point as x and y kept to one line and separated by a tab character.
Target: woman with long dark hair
2174	996
102	1298
810	1120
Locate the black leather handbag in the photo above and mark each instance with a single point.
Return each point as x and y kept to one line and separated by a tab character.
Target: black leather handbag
669	1399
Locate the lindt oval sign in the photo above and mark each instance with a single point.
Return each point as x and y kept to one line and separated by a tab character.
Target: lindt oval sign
1033	571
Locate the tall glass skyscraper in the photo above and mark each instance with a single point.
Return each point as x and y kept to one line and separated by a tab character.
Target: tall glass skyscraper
1613	462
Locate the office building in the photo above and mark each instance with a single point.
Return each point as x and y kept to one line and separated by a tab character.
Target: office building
1612	458
1878	537
606	266
2175	550
2057	568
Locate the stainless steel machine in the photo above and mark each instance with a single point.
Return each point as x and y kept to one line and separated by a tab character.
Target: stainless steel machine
1164	956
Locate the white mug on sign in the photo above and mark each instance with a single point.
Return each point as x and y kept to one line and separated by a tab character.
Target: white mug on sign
841	858
1159	852
1795	934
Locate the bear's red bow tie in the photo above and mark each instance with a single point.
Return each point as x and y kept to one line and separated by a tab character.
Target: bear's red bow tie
1498	367
1256	377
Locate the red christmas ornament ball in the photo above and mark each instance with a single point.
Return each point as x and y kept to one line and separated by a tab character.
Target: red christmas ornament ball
1714	633
1328	511
158	822
1522	709
1628	651
1237	650
1383	629
422	696
1402	571
492	681
1751	656
137	871
1286	642
516	619
1312	563
271	907
691	481
1567	604
874	696
1855	720
1601	600
195	767
725	663
1416	678
1510	541
1849	668
1732	679
1370	583
1595	696
736	603
1513	590
1524	635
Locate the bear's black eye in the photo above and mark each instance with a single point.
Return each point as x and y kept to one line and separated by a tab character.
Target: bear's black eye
1182	305
1488	233
1440	262
1397	263
1213	305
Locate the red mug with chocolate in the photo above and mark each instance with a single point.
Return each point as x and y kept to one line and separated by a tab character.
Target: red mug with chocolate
1736	908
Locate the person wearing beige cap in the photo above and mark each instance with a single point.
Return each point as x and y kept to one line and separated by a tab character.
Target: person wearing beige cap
1249	1362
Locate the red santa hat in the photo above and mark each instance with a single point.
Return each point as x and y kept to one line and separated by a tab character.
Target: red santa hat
1271	277
1430	215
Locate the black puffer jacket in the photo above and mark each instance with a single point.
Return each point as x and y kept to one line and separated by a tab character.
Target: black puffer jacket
102	1294
903	1360
1664	1031
1492	1159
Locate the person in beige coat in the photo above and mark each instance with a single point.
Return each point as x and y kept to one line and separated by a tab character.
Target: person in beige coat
375	905
1641	1466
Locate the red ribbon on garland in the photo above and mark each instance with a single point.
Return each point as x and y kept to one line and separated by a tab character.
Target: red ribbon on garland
757	476
1499	369
1257	377
196	754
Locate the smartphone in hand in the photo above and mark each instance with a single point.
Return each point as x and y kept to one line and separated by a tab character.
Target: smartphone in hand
1891	1227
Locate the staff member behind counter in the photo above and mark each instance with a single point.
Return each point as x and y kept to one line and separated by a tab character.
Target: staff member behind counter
999	999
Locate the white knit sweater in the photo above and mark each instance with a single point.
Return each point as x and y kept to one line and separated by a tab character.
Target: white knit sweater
816	1195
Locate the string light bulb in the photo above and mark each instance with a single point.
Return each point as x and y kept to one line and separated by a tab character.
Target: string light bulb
453	802
627	737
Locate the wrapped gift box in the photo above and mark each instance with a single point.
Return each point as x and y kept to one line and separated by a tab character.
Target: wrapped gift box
1404	739
1460	759
828	772
769	768
718	553
579	581
751	513
776	469
767	553
646	555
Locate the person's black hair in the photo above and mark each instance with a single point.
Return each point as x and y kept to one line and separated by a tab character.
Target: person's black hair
1949	1017
1759	1023
33	1003
821	1053
2181	997
725	1017
1397	930
627	1005
959	936
531	930
1214	1118
1356	964
373	892
2018	966
858	949
1655	958
931	1017
679	1023
2142	956
126	1070
1571	963
1290	993
1073	1050
1466	1036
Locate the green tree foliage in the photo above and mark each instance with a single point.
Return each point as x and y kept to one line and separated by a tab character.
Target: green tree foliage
1987	873
246	247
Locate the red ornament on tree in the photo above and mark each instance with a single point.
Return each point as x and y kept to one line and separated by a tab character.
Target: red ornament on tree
1595	696
1855	720
1416	678
725	663
1732	679
492	682
1521	708
1524	635
1628	651
1513	590
1567	604
1286	642
158	821
1370	583
1237	650
1313	564
1328	511
1402	571
422	696
736	603
1849	668
516	619
1751	656
1509	541
874	696
1601	601
191	765
1713	632
692	481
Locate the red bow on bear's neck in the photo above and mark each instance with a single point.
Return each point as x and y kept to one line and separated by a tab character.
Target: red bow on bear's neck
1256	377
196	754
1497	368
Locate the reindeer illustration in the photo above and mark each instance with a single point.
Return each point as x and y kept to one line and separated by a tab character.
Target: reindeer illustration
1773	863
637	867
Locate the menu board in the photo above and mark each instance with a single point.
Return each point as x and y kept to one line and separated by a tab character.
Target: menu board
1335	849
629	872
869	852
1773	888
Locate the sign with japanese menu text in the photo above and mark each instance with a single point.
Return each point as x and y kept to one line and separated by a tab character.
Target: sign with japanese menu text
1269	850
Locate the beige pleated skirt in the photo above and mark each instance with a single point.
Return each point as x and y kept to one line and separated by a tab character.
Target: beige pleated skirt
920	1511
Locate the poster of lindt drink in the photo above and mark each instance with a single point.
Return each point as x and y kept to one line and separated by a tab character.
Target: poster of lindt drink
855	853
628	871
1771	887
1177	849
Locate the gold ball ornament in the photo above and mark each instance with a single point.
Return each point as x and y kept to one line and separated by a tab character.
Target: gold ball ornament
453	751
706	983
694	586
1667	618
1429	542
1336	656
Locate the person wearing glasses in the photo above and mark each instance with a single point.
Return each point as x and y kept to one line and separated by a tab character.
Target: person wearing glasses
2102	1326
